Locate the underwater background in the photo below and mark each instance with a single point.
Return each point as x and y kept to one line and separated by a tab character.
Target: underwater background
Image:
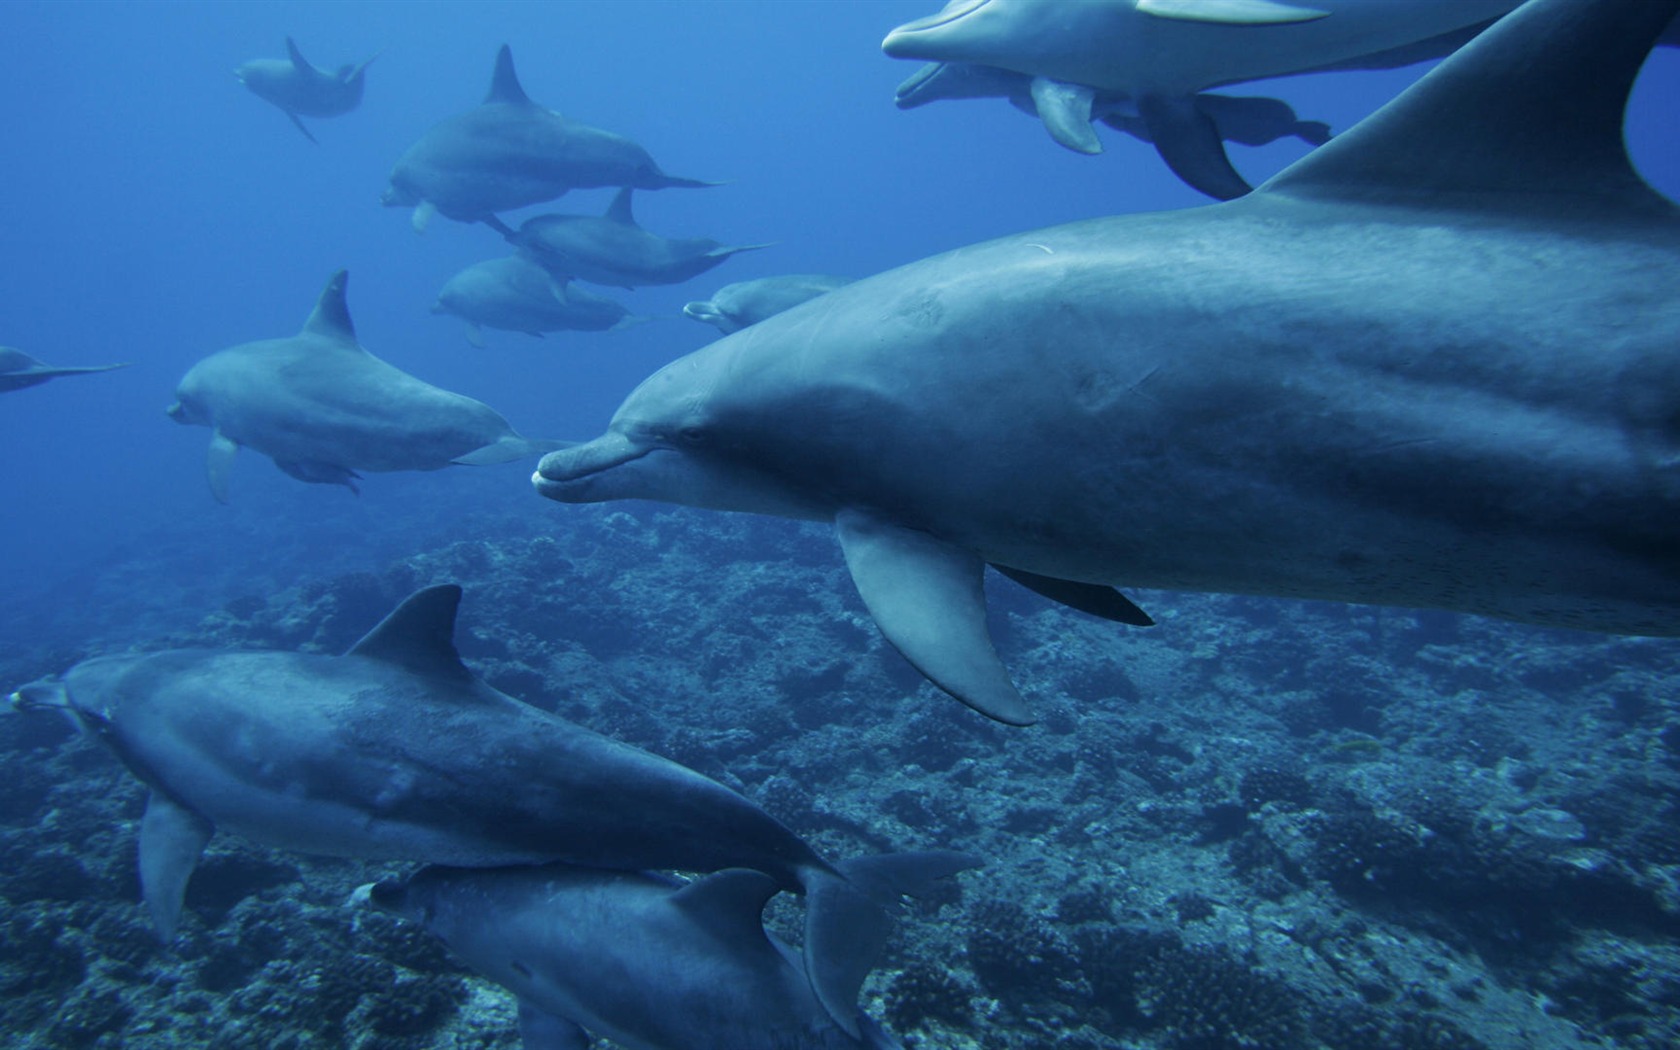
1261	823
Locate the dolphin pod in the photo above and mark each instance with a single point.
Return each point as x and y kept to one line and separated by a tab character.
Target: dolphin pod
19	370
301	90
396	751
1356	383
510	152
323	408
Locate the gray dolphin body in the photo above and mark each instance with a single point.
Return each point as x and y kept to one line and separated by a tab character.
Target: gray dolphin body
647	962
19	370
1067	110
612	249
1432	364
323	408
516	295
510	152
301	90
735	306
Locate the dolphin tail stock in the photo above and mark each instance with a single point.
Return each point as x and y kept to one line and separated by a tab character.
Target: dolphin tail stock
509	448
849	915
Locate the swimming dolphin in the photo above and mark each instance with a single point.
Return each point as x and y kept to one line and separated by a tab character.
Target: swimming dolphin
323	408
1067	110
1431	364
301	90
735	306
1162	53
612	249
645	961
511	152
396	751
18	370
517	295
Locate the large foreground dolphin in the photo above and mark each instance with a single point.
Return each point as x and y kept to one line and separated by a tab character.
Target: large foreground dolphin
323	408
511	152
301	90
396	751
645	961
19	370
1435	363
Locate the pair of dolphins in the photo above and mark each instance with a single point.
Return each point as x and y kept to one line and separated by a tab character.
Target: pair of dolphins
396	751
1433	364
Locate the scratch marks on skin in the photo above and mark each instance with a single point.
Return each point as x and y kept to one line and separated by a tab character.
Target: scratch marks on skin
1045	248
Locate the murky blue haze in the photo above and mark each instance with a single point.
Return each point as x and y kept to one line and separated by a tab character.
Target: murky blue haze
155	211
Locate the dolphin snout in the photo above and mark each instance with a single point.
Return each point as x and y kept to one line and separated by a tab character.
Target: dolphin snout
900	43
43	695
559	473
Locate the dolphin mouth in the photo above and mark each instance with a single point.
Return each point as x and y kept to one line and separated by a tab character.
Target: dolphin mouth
893	44
701	311
905	96
559	473
44	695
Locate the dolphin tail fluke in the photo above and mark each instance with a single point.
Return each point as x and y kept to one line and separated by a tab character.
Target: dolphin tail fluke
172	838
1189	142
849	916
297	123
351	74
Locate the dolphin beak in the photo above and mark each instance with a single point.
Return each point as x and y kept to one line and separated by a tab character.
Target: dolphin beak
558	474
905	96
900	42
43	695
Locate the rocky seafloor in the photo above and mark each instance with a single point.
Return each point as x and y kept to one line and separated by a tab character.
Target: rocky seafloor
1258	824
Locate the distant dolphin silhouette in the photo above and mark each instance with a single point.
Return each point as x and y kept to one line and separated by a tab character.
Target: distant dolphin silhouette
323	408
511	152
19	370
1432	364
301	90
515	294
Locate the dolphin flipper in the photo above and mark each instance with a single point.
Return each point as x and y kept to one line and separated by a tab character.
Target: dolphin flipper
540	1030
218	464
1105	603
927	597
422	216
1189	142
321	473
1065	110
297	123
172	838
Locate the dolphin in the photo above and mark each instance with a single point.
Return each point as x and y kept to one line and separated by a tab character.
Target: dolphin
1431	364
612	249
1162	53
1067	110
517	295
18	370
396	751
301	90
511	152
645	961
735	306
323	408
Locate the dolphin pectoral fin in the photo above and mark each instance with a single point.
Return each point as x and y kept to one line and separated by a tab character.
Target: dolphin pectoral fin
297	123
1231	12
422	216
218	464
927	597
475	335
172	838
321	473
541	1030
1189	142
1065	110
1105	603
725	251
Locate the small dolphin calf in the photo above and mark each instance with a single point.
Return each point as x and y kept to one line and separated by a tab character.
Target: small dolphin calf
611	249
323	408
301	90
517	295
18	370
735	306
511	152
647	962
1432	364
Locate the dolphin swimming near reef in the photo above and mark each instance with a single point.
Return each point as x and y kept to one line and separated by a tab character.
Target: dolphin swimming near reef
510	152
323	408
301	90
735	306
19	370
516	295
1067	110
1432	364
1161	54
396	751
612	249
645	961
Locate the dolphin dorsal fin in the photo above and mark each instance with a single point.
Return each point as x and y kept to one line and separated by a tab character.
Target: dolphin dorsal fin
504	82
331	317
419	635
729	903
1528	112
619	210
296	56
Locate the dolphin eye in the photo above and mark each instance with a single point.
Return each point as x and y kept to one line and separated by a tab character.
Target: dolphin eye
692	436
